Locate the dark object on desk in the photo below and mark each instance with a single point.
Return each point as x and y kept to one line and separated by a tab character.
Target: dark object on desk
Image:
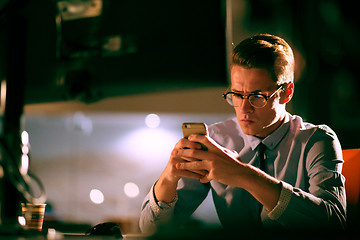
105	229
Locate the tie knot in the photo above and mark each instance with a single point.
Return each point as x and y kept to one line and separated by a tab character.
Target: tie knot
262	148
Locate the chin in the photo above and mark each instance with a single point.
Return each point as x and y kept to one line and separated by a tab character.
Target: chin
254	132
248	131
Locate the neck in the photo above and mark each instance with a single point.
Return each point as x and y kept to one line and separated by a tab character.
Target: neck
271	128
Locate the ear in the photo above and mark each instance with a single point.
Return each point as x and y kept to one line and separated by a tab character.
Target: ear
288	93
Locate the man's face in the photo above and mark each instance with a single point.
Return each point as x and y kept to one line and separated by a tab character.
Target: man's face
259	122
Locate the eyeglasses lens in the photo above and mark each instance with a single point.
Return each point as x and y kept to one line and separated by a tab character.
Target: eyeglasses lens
256	101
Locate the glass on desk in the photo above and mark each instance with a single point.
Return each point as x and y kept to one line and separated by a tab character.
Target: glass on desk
34	215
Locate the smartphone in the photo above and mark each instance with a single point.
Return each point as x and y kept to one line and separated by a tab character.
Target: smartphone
194	128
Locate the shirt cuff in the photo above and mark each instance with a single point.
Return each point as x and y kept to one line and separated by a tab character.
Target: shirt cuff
157	206
283	202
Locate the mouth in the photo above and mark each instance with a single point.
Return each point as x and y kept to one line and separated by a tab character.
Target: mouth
246	121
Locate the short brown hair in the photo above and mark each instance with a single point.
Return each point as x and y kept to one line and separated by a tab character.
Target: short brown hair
268	52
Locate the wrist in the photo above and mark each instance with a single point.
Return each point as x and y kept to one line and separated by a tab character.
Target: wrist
166	181
265	188
165	190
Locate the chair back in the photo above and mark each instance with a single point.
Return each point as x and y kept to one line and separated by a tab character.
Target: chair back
351	171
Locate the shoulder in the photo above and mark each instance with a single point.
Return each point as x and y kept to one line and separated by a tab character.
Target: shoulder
316	140
310	130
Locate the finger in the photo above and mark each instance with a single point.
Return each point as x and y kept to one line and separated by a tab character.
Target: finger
189	159
197	138
194	155
192	166
176	158
187	155
191	174
192	138
211	145
205	141
200	172
186	144
180	158
205	179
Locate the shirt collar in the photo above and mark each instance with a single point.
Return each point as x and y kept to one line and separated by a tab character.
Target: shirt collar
273	139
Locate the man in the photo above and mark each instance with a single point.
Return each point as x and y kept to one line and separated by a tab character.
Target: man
265	167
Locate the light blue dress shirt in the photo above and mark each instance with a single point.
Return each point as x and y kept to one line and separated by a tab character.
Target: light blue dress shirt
305	157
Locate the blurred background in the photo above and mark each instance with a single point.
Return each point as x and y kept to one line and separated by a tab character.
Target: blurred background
102	86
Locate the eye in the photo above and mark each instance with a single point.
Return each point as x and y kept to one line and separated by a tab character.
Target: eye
238	95
257	100
257	96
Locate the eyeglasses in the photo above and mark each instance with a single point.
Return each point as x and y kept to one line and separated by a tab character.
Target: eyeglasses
257	100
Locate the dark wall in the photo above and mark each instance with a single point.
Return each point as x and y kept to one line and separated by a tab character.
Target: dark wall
158	47
325	37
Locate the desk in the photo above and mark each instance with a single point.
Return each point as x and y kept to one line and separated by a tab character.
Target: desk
75	237
206	234
52	234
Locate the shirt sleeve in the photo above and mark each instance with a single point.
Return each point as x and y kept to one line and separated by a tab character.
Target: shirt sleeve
154	212
157	206
190	194
323	203
284	199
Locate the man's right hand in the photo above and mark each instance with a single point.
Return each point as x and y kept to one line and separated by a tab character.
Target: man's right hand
165	187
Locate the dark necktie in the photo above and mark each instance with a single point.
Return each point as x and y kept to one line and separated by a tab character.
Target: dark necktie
261	150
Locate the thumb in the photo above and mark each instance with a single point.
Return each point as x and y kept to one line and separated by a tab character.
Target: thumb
205	179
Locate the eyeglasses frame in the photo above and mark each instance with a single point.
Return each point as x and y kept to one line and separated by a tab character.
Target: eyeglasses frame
243	96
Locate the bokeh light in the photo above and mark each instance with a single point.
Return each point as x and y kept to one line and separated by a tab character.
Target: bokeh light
131	189
96	196
25	138
24	164
21	220
152	120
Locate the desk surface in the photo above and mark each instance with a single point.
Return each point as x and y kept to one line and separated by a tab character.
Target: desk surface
74	237
208	234
52	234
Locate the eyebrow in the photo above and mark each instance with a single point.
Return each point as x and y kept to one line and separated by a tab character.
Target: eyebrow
253	92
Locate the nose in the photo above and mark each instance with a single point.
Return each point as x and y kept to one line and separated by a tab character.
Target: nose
246	107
